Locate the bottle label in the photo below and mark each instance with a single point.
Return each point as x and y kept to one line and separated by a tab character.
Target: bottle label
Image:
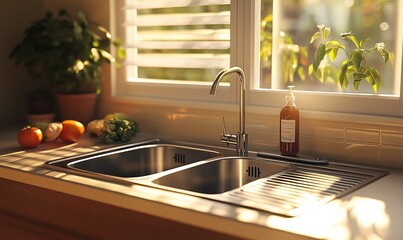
287	131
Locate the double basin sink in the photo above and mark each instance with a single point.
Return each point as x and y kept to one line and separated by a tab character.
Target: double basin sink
215	173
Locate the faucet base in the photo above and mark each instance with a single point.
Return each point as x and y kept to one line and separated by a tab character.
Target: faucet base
242	144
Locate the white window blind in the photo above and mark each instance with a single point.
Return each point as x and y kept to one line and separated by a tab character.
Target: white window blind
185	40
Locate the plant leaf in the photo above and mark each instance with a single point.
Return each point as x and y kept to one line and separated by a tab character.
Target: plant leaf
356	84
324	31
362	42
380	47
391	57
121	52
354	40
350	36
82	19
319	75
356	58
334	73
374	78
310	69
343	79
333	54
334	44
345	35
314	37
358	76
301	73
332	48
319	55
107	55
377	85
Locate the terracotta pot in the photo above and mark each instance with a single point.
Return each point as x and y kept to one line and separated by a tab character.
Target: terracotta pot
78	107
39	106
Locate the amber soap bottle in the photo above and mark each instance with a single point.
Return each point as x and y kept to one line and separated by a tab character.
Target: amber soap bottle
289	126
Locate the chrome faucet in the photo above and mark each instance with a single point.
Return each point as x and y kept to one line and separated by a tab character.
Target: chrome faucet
240	140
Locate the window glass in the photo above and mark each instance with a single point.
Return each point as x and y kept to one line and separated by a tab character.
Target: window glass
293	54
176	40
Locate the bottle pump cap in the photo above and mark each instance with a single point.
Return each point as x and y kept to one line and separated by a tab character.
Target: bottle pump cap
290	95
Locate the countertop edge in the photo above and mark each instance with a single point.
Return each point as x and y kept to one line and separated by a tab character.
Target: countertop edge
204	220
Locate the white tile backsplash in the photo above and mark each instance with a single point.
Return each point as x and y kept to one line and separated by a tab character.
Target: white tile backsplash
331	132
392	138
332	149
364	153
363	135
391	156
341	139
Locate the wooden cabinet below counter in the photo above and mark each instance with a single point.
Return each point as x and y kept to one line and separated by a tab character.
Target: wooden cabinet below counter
30	212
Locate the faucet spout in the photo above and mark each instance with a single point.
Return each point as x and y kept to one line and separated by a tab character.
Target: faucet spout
241	139
241	78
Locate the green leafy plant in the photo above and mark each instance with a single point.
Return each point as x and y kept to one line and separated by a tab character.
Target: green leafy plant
66	52
355	67
266	40
294	58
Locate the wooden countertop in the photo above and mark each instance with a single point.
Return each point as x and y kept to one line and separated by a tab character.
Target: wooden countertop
372	211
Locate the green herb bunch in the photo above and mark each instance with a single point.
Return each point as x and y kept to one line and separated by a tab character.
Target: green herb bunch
119	130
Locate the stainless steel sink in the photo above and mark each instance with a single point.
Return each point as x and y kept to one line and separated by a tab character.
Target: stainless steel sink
221	175
136	161
274	185
268	184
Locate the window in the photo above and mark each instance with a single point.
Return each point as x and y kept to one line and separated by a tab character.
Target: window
294	22
150	39
173	45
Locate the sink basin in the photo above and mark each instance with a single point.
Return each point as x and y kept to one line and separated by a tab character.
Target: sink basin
215	174
137	161
221	175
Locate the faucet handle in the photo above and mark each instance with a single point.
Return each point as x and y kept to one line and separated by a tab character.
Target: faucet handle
229	139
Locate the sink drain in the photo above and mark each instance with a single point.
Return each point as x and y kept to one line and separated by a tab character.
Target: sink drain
179	158
253	171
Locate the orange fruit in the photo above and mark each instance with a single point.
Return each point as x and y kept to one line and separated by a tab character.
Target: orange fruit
29	137
72	131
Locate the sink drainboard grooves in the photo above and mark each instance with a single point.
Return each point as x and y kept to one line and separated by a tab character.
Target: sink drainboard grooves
296	190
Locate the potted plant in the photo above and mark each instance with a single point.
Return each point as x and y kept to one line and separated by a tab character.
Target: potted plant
40	106
66	53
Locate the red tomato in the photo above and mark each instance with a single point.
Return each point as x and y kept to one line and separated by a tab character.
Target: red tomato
29	137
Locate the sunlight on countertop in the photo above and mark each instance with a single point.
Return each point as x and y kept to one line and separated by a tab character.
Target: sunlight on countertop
364	214
334	220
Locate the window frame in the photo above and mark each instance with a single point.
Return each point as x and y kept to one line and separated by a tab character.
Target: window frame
161	90
353	103
244	52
